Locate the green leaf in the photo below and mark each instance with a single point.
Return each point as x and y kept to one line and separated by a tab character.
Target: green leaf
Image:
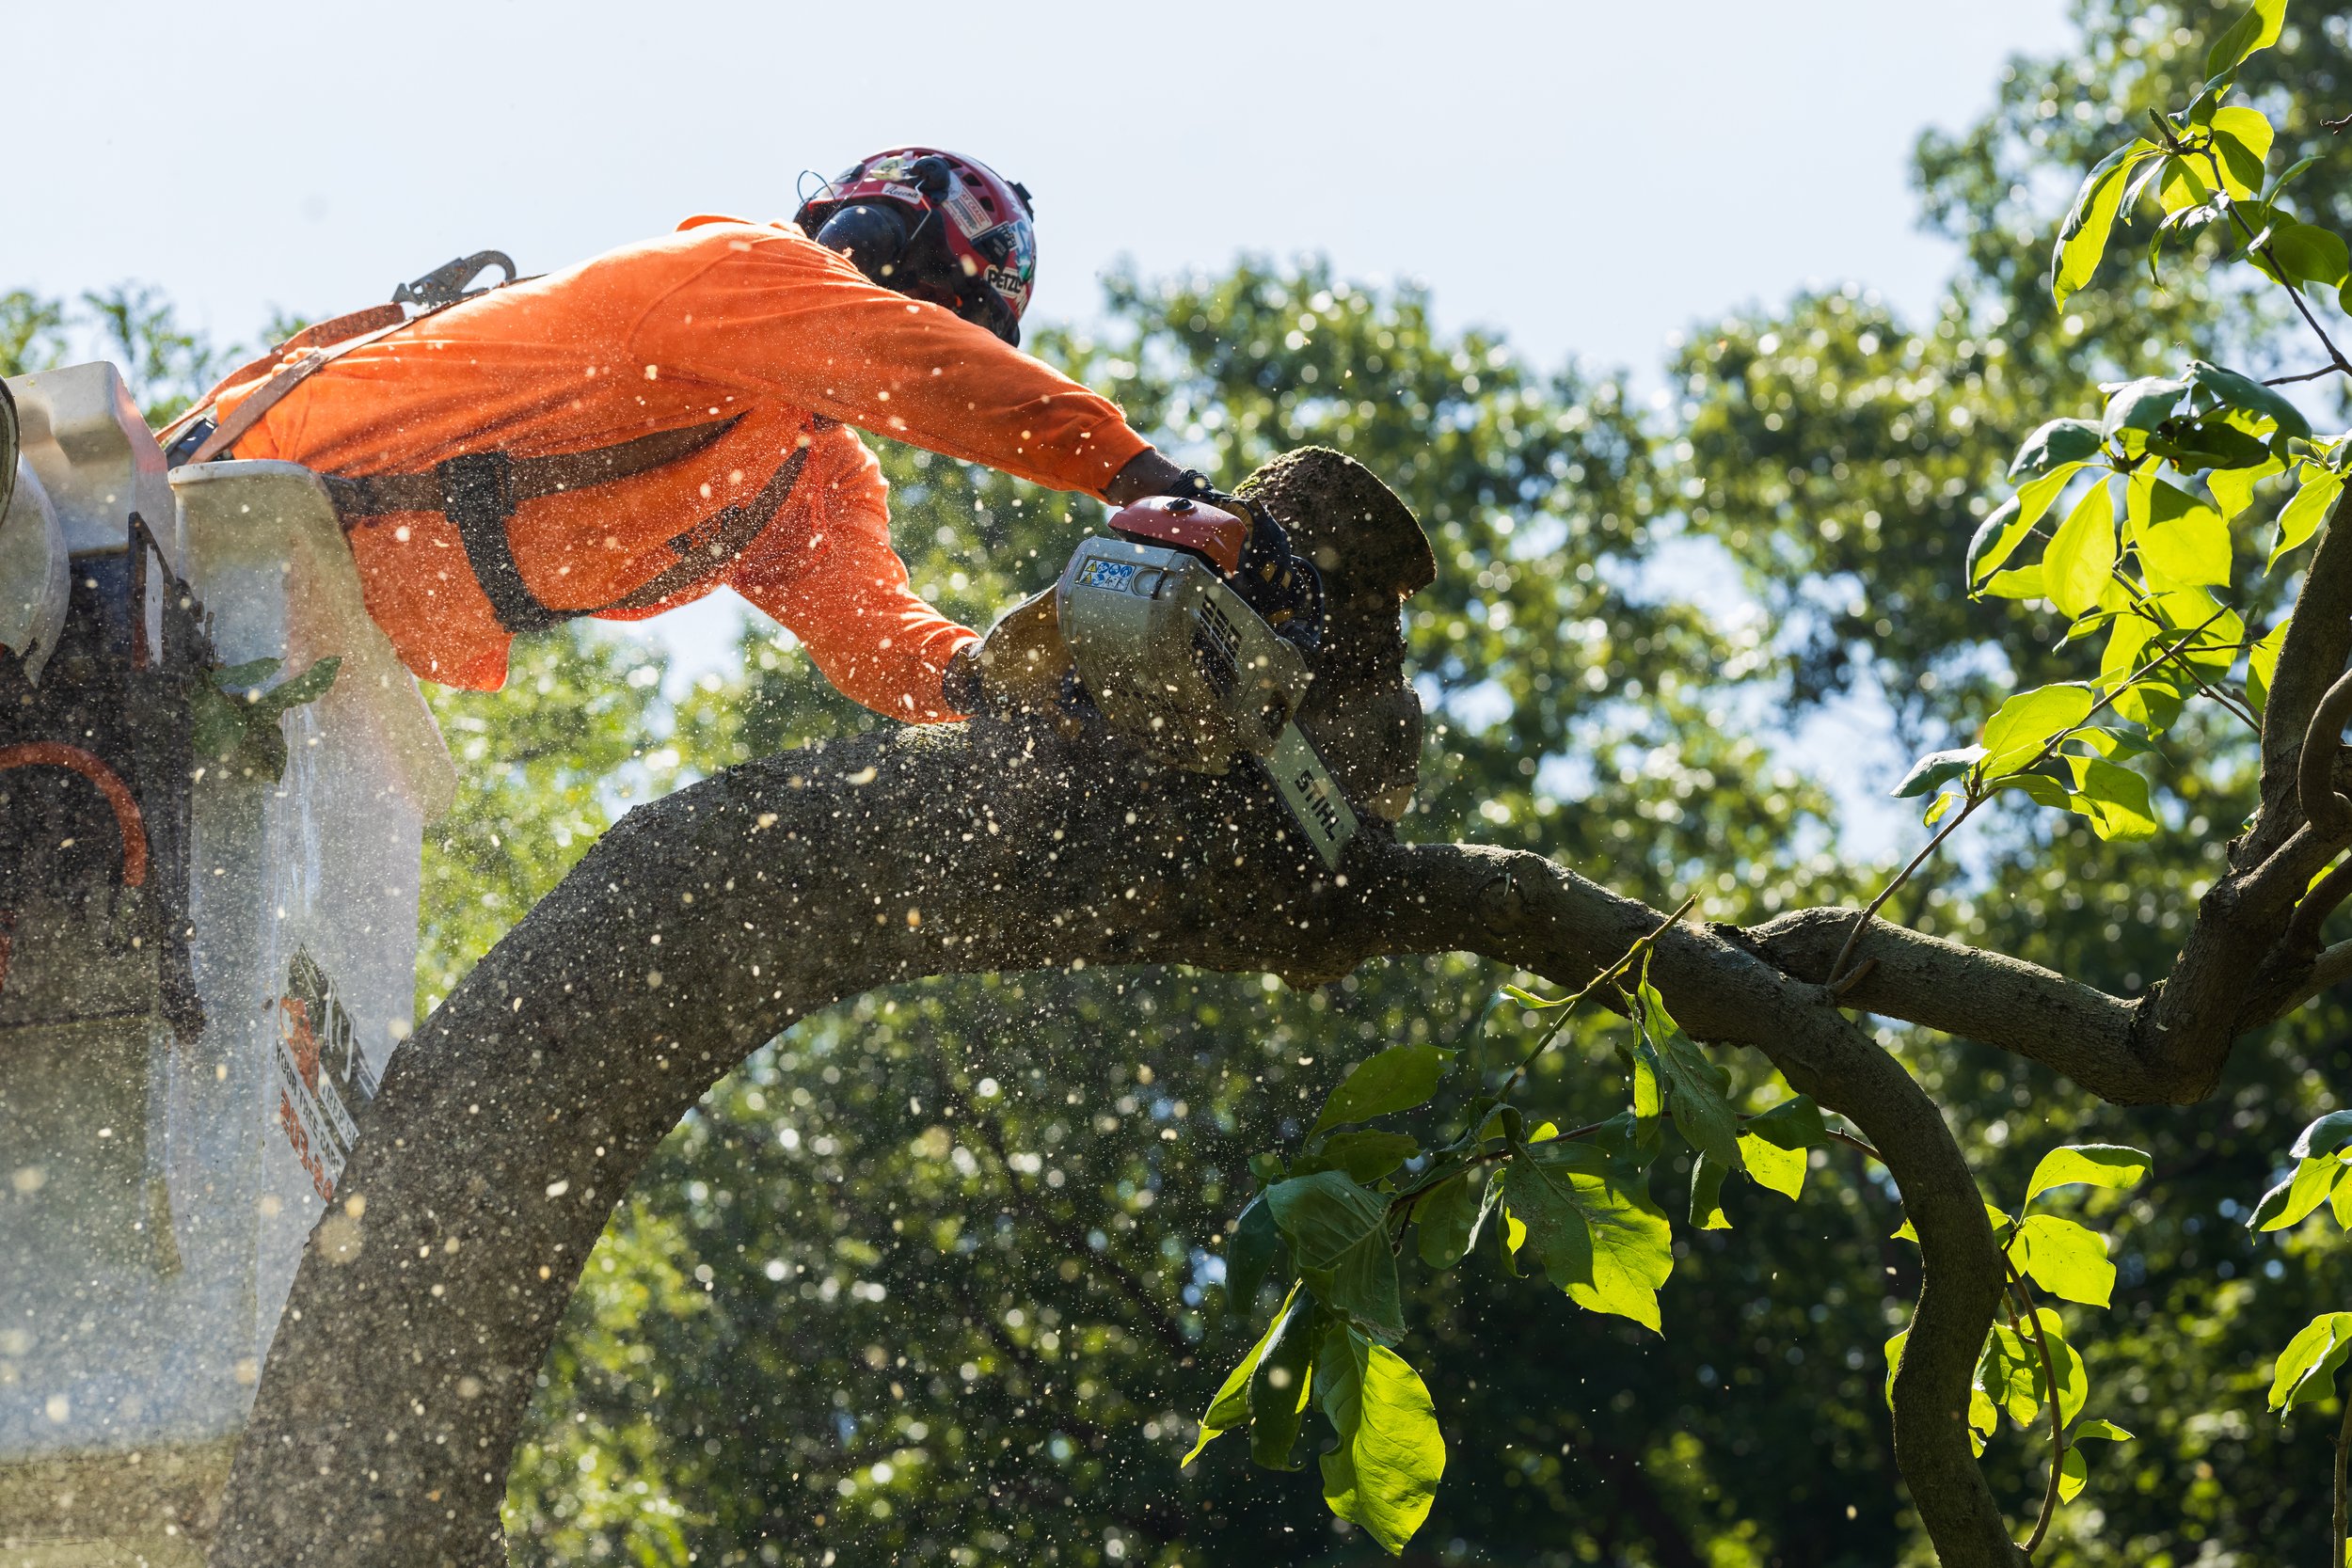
1449	1215
1527	999
2233	390
1339	1238
2241	144
2307	1368
1393	1080
1249	1253
1770	1166
307	687
1934	771
217	725
2308	257
2262	667
1895	1363
2114	799
2301	518
2073	1475
1706	1194
2076	568
1366	1155
1231	1407
1277	1392
1694	1093
1596	1233
2182	542
2082	239
234	723
2234	488
2025	723
1384	1472
238	679
1794	1123
2067	1260
2054	446
1775	1144
2089	1166
2105	1430
1996	539
2074	1382
2018	582
2291	1201
2212	441
2010	1371
2141	405
2257	28
2325	1136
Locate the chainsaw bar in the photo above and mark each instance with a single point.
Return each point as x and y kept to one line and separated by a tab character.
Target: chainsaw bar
1315	798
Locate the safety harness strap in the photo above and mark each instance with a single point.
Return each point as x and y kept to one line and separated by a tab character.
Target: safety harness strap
479	492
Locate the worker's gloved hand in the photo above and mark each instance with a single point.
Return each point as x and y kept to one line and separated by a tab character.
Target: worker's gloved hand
1018	667
1276	583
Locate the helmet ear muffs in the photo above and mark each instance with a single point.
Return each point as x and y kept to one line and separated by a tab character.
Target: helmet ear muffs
872	236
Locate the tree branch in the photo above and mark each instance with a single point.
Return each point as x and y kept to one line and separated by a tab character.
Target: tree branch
392	1395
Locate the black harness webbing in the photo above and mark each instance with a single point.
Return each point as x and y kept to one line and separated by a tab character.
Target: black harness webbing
479	492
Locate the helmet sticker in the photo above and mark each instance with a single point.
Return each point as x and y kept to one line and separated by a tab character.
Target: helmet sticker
966	209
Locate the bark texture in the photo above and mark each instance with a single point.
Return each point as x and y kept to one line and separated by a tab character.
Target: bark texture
706	923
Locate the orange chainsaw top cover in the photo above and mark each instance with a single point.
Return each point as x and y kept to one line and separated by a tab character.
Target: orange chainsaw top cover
721	319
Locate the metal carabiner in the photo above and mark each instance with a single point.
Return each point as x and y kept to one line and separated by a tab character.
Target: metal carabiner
448	283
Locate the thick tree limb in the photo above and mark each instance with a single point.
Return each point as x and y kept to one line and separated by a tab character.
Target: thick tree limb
2037	1013
706	923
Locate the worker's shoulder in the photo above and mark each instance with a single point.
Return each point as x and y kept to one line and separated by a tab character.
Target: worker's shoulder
695	244
720	234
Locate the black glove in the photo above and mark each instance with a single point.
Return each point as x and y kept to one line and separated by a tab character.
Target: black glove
1281	586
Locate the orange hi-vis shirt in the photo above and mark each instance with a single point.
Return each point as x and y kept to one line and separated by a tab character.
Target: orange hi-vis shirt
722	319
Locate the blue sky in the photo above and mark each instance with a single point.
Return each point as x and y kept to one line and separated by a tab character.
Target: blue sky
1586	177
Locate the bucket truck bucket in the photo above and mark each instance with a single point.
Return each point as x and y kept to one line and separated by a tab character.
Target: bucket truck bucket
208	966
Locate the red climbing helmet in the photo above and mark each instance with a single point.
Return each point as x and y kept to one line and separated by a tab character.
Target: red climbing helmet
934	226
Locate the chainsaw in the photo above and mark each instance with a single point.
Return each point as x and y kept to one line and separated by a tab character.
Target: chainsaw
1179	663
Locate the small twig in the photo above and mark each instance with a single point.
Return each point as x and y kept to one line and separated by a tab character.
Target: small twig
2306	376
1861	973
2344	1504
2329	813
2333	887
1569	1007
2140	607
2221	188
2057	1422
1861	921
2048	748
2333	126
1840	1136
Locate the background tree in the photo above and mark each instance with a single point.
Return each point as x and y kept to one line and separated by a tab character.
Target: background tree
713	1396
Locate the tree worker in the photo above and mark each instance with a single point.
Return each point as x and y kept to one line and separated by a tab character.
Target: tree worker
626	435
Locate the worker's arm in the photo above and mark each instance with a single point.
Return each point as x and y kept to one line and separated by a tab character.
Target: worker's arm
826	570
776	316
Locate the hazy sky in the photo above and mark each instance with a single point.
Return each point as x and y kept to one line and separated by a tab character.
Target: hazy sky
1587	177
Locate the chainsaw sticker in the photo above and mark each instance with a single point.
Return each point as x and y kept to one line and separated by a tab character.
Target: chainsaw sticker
1113	575
323	1078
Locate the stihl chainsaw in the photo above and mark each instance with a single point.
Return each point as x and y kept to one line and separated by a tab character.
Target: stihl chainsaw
1177	662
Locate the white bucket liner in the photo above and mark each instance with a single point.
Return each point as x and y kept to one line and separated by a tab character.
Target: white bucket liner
139	1296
